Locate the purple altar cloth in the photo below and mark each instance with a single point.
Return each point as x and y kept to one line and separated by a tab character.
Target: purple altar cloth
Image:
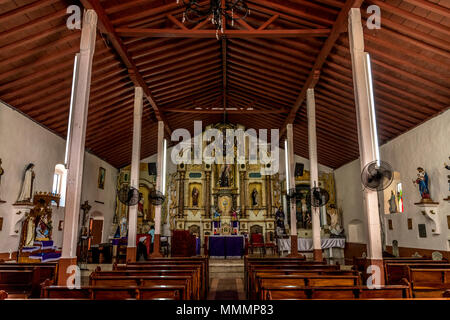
197	246
226	246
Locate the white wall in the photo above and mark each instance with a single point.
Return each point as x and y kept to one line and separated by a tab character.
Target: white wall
427	146
22	141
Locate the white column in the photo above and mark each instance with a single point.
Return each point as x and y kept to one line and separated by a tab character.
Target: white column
77	137
159	179
314	172
135	165
291	169
367	131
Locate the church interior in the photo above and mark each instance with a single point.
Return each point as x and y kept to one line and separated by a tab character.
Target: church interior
224	149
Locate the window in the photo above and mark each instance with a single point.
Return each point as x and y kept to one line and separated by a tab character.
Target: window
400	197
60	182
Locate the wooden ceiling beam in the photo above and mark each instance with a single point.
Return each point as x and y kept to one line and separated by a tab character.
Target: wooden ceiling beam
106	27
181	33
229	111
338	28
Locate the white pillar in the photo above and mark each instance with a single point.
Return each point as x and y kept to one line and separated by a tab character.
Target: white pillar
292	204
367	131
314	171
159	180
135	169
77	142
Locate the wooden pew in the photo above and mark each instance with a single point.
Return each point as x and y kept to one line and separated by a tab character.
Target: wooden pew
14	283
274	292
3	295
202	261
252	268
196	268
429	283
305	281
171	292
145	281
395	271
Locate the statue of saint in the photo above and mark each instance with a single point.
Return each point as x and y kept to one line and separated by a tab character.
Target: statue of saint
42	230
29	225
195	195
216	214
123	227
446	166
2	172
422	181
279	216
254	197
141	205
225	176
392	203
26	194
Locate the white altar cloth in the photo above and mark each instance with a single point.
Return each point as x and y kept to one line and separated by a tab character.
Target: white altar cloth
306	244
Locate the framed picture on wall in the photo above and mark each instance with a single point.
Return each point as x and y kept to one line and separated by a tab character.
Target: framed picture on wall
60	225
1	223
101	178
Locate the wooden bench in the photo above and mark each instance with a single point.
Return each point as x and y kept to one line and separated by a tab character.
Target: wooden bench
171	292
146	281
429	283
25	279
274	292
304	281
196	268
395	272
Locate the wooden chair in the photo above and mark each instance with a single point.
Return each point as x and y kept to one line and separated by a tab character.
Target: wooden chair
270	243
257	242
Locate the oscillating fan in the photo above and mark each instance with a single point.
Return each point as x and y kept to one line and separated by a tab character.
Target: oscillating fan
293	195
317	197
156	197
377	175
129	196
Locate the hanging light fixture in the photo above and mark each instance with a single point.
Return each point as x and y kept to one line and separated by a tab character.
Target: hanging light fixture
233	10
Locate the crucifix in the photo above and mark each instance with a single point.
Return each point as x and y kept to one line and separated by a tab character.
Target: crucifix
84	234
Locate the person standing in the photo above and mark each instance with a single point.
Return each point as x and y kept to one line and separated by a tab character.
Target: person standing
152	234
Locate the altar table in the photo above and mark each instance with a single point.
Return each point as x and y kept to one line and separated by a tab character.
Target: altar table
226	246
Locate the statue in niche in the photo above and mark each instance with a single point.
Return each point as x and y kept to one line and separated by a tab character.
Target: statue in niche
123	227
2	172
195	195
392	203
254	197
279	216
225	179
336	229
26	193
423	182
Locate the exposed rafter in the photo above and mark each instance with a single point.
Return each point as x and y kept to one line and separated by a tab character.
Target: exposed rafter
107	28
337	29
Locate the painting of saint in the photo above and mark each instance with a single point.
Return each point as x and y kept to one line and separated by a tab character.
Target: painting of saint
225	176
101	178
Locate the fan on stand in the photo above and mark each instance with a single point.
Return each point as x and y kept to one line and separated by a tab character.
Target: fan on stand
377	175
129	196
157	198
317	197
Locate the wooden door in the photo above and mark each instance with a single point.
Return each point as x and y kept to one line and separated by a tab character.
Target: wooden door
96	232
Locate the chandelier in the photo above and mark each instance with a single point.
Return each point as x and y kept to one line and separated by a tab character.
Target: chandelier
232	10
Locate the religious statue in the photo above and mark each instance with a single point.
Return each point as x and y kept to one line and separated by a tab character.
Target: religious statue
234	214
195	195
2	172
30	231
225	176
422	180
446	166
141	205
26	193
216	214
123	227
43	230
279	216
392	203
254	197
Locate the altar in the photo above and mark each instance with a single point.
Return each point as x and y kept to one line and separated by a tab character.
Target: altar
231	246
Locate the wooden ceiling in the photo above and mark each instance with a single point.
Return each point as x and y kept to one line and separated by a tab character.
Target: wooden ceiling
259	70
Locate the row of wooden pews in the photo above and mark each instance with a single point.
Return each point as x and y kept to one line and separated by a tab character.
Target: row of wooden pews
158	278
427	278
295	278
23	280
